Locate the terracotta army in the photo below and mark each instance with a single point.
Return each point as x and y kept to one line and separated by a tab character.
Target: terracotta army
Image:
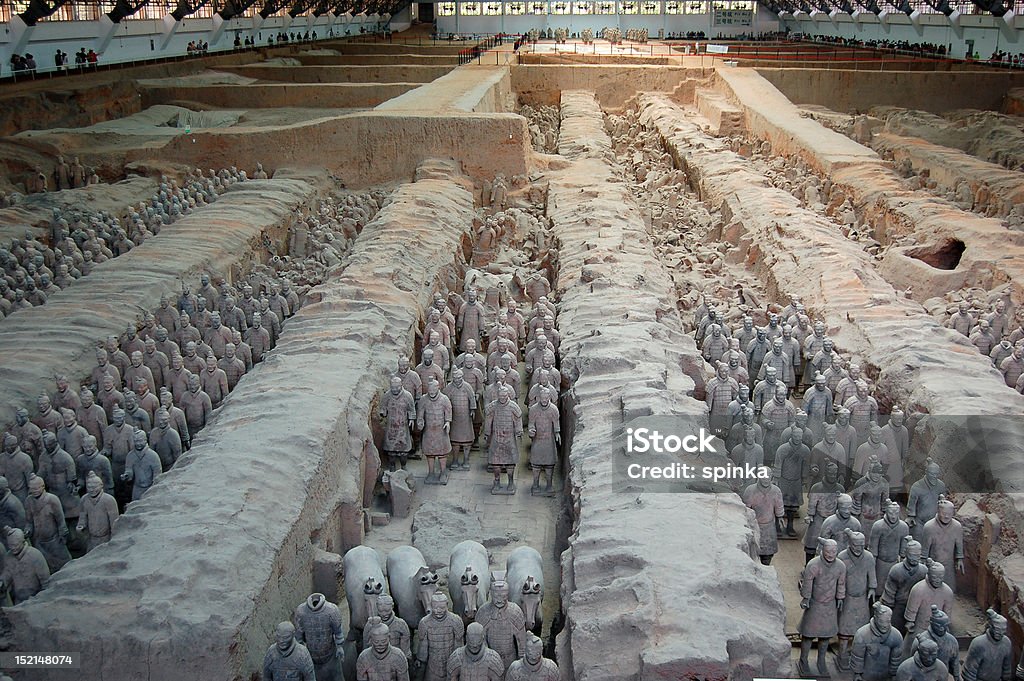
137	370
887	540
258	338
765	498
924	499
48	418
990	655
502	430
813	344
1013	366
846	436
930	591
792	464
428	369
471	346
896	438
232	315
462	434
476	661
544	429
901	579
877	648
736	370
782	363
442	357
165	440
117	356
999	319
504	624
214	382
119	440
434	421
65	397
58	471
157	362
860	593
822	592
924	665
196	405
381	661
287	659
439	633
962	321
397	627
178	420
98	513
398	411
192	361
91	415
863	411
16	466
46	526
847	387
835	375
776	415
141	467
818	405
756	351
30	437
410	379
829	449
91	460
800	421
436	325
136	415
943	541
533	666
938	633
70	435
983	338
872	449
318	627
836	525
719	394
12	511
822	501
242	349
232	366
869	495
715	345
25	571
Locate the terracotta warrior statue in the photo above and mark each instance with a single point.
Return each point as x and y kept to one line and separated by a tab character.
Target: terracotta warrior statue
398	411
318	627
938	632
504	624
439	633
990	655
25	572
860	593
286	658
46	526
930	591
877	648
99	513
924	665
434	421
544	429
463	400
475	661
901	579
397	627
502	430
765	499
533	666
943	541
924	498
822	591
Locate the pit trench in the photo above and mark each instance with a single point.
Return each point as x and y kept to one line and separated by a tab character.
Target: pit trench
506	522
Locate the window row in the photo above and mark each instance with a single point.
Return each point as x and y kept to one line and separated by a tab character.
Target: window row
587	7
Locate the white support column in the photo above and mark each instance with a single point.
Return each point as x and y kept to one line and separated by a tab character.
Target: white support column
170	27
105	29
20	34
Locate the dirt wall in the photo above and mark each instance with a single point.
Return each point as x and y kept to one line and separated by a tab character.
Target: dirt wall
341	74
270	96
860	90
632	582
364	149
613	85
